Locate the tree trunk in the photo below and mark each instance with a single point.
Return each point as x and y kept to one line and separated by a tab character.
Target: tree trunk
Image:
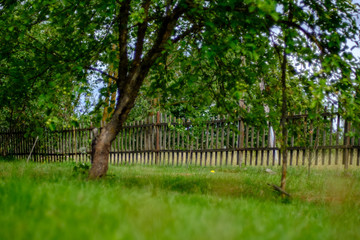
101	145
101	150
283	123
131	75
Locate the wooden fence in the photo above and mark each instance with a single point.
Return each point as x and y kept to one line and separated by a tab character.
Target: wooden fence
169	141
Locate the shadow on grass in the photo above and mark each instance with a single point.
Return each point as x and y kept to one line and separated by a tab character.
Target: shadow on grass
230	183
9	159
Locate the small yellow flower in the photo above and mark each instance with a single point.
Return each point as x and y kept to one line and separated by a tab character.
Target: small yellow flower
212	171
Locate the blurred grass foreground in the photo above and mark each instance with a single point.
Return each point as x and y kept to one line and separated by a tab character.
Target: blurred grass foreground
56	201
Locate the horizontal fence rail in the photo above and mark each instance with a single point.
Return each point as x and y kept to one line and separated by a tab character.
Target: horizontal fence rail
165	140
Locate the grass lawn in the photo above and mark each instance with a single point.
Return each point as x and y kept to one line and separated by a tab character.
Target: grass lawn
52	201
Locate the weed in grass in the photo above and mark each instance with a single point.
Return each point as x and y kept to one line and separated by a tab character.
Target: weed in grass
81	168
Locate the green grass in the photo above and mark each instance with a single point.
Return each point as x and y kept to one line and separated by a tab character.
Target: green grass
52	201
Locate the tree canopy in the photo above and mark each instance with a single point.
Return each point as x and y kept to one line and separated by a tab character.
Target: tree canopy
203	54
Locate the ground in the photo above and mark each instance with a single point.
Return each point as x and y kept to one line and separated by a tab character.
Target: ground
56	201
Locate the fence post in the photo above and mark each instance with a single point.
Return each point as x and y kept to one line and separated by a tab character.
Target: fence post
240	141
157	126
346	145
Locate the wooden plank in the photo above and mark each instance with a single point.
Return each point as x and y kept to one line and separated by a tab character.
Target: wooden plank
216	141
197	148
131	142
211	143
202	144
252	144
298	141
75	144
233	147
188	147
138	144
222	142
147	141
246	141
49	146
66	143
323	142
207	142
80	143
88	144
191	146
291	151
132	137
83	144
227	146
346	144
352	143
276	153
304	137
164	137
358	153
157	138
120	146
126	143
152	140
311	135
182	142
168	129
134	142
337	139
15	144
330	138
317	139
178	146
257	145
173	140
141	142
124	148
240	141
268	144
2	148
263	145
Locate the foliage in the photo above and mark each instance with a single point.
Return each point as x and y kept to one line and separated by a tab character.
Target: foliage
55	42
223	52
207	75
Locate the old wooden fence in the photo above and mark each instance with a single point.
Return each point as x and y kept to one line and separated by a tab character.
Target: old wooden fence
165	140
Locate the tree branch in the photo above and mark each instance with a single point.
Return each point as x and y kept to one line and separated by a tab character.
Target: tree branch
164	34
141	34
123	40
311	36
193	29
102	72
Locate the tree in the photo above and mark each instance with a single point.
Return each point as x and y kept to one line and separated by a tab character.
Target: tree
218	33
